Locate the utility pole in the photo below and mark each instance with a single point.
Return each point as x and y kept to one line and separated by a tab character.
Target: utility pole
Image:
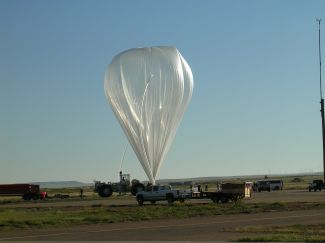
321	95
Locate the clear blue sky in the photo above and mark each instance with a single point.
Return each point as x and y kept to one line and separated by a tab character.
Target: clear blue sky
255	105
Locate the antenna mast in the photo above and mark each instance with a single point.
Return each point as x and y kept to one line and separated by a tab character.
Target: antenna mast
320	59
321	95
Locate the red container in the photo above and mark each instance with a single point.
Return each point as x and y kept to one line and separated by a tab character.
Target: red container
19	189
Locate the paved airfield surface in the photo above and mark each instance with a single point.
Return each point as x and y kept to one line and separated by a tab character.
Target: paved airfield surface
193	229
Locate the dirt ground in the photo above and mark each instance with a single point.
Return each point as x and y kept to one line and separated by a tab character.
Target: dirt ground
192	229
257	197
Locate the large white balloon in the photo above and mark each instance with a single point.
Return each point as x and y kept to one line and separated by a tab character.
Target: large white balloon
149	90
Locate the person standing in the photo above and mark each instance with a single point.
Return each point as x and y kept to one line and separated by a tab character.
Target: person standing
81	192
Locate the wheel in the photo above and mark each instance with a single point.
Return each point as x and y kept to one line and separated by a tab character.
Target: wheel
27	197
215	199
140	200
105	191
182	200
170	199
235	198
224	199
153	202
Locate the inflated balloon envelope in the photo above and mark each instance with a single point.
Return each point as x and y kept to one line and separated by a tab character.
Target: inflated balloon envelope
149	90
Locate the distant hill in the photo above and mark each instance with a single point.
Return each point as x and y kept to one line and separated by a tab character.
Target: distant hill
225	178
66	184
61	184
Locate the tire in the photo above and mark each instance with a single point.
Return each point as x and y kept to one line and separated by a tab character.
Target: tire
105	191
224	199
140	200
170	199
182	200
138	187
27	197
235	199
215	199
153	202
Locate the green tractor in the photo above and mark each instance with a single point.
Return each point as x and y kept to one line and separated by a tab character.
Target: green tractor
124	185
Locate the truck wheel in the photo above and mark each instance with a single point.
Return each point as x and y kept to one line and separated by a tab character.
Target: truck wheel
235	198
170	199
105	191
182	200
224	199
153	202
140	200
27	197
215	199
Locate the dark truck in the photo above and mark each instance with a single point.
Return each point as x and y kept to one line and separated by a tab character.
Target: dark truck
316	185
27	191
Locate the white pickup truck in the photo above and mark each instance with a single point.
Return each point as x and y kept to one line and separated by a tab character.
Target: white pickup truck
161	193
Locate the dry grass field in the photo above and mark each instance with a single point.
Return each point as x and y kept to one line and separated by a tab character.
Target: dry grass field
70	211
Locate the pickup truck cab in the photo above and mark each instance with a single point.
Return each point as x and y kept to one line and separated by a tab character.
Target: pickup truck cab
316	185
262	186
161	193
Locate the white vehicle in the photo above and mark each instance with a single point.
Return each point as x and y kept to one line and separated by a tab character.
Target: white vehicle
161	193
268	185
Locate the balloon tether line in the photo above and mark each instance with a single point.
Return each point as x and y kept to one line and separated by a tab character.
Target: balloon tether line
123	157
141	112
321	96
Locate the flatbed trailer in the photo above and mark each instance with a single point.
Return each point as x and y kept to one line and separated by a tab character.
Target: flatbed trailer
218	197
229	192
